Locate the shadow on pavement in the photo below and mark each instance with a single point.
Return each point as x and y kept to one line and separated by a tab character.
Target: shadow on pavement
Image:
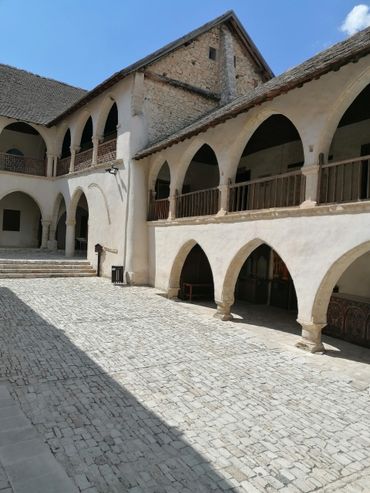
96	428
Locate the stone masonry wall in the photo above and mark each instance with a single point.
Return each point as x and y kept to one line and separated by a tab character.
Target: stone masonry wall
247	75
191	63
169	108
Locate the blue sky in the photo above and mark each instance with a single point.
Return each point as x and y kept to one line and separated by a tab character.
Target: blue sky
82	42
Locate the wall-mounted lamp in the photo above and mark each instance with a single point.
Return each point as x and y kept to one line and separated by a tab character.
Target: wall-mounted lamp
113	170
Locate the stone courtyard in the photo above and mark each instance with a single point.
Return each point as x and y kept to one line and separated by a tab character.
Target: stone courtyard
134	393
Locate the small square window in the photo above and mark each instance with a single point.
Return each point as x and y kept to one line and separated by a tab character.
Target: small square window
212	53
11	220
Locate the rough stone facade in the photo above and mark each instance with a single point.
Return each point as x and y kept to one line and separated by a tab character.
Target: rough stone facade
246	74
170	108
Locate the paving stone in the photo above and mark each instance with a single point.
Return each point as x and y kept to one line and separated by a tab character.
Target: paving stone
133	392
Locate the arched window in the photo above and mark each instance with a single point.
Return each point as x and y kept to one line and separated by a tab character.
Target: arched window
110	129
66	146
349	181
86	142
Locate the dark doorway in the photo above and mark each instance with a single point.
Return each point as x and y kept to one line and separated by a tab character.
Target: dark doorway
265	280
196	280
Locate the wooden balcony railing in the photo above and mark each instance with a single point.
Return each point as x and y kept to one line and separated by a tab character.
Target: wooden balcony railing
158	209
107	151
200	203
345	181
283	190
63	166
83	160
22	164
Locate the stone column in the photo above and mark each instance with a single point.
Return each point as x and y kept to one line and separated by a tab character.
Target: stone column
70	237
74	150
224	200
55	165
224	310
96	141
172	208
52	242
311	337
311	172
45	233
49	165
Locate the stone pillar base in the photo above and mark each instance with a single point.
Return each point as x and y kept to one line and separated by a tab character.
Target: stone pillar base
311	338
52	245
223	311
172	293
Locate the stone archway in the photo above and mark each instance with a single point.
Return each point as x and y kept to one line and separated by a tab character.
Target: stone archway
77	224
21	219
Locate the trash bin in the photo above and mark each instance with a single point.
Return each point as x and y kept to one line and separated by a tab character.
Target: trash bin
117	274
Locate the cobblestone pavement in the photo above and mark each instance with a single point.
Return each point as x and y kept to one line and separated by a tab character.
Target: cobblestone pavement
136	393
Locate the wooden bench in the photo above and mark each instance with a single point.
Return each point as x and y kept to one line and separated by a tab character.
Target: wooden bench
188	288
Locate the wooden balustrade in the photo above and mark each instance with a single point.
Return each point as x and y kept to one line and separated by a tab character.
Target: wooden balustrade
199	203
158	209
285	190
83	160
63	166
345	181
107	151
22	164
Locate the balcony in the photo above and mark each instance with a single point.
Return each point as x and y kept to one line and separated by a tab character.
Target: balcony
63	166
284	190
345	181
22	164
199	203
83	160
107	151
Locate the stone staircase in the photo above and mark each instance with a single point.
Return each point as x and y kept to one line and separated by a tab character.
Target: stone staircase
27	269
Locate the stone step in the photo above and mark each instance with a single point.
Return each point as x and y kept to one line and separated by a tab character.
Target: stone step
27	268
46	262
33	275
33	267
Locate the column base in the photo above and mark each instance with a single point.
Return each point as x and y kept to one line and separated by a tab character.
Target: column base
310	347
172	293
311	338
308	204
52	245
223	312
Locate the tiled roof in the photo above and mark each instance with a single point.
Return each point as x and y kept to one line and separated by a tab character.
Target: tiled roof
34	99
331	59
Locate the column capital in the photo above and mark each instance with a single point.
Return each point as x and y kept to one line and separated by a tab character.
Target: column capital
97	139
75	148
70	222
45	222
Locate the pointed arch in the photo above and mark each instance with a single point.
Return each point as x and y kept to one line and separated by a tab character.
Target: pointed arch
330	279
202	175
236	264
178	264
273	147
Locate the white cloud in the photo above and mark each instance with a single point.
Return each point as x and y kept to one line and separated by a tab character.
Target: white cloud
357	19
